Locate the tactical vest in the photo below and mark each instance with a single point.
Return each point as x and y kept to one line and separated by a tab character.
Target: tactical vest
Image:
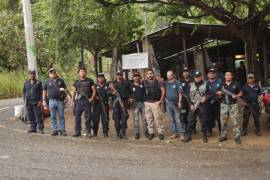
196	93
152	91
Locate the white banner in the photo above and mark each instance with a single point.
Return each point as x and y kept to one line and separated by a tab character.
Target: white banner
135	61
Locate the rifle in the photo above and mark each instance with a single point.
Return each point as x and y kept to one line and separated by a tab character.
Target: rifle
122	106
229	93
251	107
103	105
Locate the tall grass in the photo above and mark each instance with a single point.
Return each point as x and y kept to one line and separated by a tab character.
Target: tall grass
11	84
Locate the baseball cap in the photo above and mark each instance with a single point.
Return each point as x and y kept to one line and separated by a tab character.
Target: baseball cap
197	74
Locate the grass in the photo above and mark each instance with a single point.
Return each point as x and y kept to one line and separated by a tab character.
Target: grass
11	84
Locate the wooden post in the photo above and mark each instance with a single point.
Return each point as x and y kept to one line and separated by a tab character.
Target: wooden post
152	61
185	49
265	63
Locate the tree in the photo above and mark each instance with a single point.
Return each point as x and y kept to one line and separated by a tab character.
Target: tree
89	25
248	19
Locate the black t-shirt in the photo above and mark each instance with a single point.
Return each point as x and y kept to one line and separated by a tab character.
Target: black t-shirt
234	88
84	87
123	88
138	92
32	93
103	91
251	94
185	86
54	90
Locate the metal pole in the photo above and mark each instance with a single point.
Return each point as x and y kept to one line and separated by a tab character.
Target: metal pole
29	36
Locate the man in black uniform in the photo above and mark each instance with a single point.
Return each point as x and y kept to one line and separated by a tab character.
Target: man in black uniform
138	93
121	92
186	80
83	95
196	101
32	95
252	93
213	84
101	106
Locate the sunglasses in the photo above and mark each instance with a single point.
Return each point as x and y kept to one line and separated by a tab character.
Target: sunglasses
33	73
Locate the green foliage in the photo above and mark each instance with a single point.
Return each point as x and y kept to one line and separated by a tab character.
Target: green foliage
11	84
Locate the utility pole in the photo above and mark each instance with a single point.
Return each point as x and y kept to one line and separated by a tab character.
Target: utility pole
29	36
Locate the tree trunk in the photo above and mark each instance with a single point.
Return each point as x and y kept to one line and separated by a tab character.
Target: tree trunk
114	63
96	63
252	63
100	64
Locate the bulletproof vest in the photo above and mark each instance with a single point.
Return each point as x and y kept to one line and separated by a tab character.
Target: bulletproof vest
196	93
152	91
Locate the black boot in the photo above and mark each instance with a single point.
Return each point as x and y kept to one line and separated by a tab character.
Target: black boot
187	138
54	133
146	134
161	136
137	136
63	133
205	139
244	132
32	130
222	138
237	140
151	136
77	134
258	132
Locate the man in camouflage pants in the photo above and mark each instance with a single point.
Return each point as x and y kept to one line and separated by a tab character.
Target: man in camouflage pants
229	106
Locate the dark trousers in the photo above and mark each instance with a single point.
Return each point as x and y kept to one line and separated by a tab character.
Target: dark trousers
192	119
255	111
120	118
213	116
99	113
35	116
80	107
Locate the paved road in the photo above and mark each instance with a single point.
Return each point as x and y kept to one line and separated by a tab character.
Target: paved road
34	156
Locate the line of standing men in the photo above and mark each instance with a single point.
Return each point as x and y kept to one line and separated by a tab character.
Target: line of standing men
213	101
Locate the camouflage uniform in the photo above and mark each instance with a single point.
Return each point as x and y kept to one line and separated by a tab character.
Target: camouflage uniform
229	109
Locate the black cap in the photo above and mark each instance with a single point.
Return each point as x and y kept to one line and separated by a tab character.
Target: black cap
197	74
120	73
136	74
32	71
185	69
52	70
101	75
211	69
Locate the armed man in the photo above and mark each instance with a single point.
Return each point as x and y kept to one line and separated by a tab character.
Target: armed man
84	94
252	95
138	95
213	104
32	95
229	92
154	96
121	92
101	106
196	100
173	101
186	80
55	91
